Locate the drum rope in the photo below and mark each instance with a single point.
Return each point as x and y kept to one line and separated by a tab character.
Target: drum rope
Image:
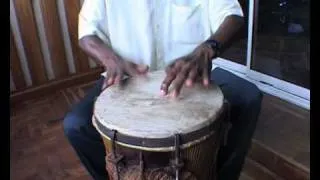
141	165
177	163
114	158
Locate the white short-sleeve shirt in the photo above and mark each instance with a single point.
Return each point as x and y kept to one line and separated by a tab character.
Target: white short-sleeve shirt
154	32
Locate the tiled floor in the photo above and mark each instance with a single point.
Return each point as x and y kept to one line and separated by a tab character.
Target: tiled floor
39	150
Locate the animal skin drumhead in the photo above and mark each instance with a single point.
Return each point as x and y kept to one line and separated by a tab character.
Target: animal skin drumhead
137	109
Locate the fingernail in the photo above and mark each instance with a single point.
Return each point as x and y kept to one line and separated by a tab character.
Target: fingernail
206	82
174	94
162	92
189	83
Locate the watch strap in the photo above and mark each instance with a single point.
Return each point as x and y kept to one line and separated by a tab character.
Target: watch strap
214	45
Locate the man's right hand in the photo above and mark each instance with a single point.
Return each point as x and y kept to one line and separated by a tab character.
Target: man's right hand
116	68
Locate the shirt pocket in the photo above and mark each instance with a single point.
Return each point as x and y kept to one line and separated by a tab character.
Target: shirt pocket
186	23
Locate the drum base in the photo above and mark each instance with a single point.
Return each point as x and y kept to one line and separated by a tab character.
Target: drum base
135	172
199	163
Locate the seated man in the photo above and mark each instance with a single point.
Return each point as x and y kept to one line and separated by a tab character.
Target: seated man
182	36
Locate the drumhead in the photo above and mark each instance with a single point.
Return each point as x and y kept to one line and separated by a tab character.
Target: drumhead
138	110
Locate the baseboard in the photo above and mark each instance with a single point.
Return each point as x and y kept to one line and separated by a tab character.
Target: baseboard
277	163
257	171
55	85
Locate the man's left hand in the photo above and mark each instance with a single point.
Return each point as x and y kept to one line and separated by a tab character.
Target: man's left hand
187	69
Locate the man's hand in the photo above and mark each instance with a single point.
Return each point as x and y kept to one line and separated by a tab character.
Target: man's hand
116	68
186	70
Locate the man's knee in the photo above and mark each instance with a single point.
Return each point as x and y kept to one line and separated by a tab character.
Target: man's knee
237	91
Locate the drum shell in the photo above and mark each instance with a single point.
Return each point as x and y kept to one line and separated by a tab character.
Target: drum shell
199	158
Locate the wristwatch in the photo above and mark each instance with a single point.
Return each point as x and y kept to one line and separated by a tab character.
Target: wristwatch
215	46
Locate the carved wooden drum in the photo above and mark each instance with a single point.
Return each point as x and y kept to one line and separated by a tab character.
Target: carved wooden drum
151	137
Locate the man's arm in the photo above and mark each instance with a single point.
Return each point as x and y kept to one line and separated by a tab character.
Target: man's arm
93	38
226	19
103	54
91	18
225	33
94	47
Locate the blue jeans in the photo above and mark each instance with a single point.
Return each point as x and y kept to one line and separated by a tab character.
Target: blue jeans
245	100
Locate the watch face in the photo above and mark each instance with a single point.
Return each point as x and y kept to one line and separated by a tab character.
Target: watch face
214	46
209	46
213	43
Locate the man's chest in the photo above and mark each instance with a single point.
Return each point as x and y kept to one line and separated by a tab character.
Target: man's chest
176	19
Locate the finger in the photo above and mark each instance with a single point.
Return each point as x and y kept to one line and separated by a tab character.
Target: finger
171	75
209	69
171	72
130	69
179	64
105	84
180	79
205	71
166	84
142	69
110	77
118	76
170	68
192	76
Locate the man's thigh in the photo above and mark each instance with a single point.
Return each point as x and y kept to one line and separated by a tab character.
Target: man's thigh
245	102
236	90
81	113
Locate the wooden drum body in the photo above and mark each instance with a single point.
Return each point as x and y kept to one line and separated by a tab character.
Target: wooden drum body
151	137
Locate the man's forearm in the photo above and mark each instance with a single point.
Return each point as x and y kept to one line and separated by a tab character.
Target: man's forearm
230	26
94	47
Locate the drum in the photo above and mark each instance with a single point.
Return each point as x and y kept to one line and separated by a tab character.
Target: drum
149	136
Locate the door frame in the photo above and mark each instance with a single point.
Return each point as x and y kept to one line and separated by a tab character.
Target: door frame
268	84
